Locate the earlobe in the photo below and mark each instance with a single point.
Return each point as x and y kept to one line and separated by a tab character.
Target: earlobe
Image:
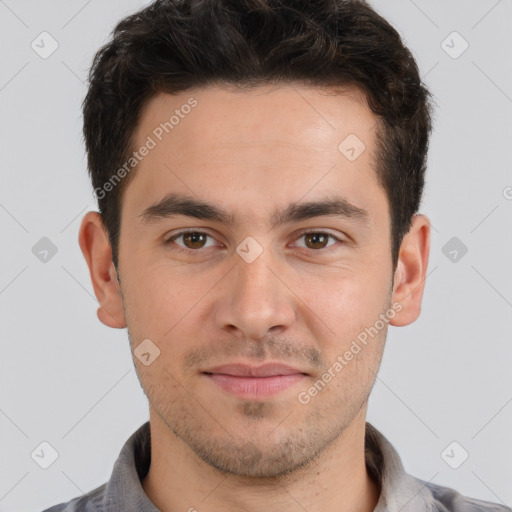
95	246
411	271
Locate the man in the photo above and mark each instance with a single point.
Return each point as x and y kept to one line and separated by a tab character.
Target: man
258	165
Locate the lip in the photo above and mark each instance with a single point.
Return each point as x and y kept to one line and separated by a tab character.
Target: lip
266	370
246	381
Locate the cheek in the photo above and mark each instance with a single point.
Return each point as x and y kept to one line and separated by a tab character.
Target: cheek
348	303
161	300
353	312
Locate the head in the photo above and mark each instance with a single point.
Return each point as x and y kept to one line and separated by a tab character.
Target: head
258	121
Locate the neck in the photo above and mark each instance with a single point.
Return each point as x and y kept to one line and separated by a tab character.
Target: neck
336	480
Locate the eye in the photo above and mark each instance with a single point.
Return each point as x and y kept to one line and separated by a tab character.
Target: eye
317	239
195	240
192	240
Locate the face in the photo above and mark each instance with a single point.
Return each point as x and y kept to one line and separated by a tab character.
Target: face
255	237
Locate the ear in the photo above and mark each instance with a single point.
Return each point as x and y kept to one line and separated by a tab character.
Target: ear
95	246
411	271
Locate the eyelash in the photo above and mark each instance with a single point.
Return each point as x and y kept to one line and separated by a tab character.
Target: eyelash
170	240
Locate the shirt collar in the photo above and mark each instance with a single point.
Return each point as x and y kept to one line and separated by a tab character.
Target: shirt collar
124	489
399	491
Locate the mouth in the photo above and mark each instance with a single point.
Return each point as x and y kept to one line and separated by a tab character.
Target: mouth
247	381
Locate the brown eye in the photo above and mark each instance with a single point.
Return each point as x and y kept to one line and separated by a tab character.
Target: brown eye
191	240
317	240
194	240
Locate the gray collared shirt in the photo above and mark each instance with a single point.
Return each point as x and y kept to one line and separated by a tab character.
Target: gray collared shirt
400	492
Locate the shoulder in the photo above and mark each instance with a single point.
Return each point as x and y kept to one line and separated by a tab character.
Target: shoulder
90	502
453	501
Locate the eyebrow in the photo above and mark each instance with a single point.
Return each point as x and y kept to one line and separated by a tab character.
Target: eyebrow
177	204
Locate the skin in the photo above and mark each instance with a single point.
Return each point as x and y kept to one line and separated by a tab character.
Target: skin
301	302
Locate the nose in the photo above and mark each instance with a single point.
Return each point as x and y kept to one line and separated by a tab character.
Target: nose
255	300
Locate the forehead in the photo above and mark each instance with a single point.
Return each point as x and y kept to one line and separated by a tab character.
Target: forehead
267	144
225	116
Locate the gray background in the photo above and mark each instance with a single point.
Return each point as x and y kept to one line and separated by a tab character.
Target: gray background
69	380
